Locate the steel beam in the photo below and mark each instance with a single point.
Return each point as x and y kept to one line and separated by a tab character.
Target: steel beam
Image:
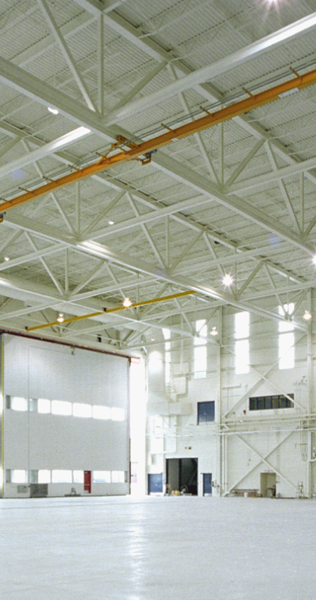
47	149
97	7
199	184
268	43
277	175
53	234
66	52
162	162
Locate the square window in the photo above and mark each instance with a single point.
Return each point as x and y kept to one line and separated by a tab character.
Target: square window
101	477
101	412
206	412
61	476
61	407
44	476
117	414
78	476
43	406
117	476
82	410
18	476
19	404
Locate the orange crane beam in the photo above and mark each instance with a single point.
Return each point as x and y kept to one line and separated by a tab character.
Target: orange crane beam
115	309
146	148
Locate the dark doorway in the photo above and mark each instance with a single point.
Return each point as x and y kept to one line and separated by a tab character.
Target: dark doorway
154	483
207	484
182	475
87	482
268	485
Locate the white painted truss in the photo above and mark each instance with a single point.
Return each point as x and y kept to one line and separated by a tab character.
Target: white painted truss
235	198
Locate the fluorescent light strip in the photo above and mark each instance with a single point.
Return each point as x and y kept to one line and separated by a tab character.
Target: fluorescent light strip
50	148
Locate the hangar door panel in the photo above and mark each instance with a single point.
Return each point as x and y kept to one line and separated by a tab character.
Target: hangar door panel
77	418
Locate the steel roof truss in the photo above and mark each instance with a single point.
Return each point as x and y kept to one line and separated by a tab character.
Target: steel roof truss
273	286
186	251
94	273
244	163
66	53
252	275
197	136
146	233
45	265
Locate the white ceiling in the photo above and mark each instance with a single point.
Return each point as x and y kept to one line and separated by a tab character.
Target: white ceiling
236	198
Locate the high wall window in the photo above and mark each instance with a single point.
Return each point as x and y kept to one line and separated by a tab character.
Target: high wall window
200	350
242	330
271	402
286	339
167	336
205	412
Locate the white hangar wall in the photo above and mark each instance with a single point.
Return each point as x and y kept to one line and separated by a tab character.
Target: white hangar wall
57	448
240	444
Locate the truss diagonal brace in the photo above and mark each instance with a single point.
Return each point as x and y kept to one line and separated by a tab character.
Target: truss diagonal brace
269	465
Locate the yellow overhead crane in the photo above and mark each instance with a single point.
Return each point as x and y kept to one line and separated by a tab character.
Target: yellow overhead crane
115	309
144	150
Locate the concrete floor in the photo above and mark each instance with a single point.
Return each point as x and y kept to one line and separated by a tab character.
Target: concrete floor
158	548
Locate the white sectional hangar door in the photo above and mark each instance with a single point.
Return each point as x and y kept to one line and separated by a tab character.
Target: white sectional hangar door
66	420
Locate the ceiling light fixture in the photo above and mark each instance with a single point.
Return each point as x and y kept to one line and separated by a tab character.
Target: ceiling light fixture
111	222
227	280
307	315
6	258
314	259
60	318
52	110
127	302
214	331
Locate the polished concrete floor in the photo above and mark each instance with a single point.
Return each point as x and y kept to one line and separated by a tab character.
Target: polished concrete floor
158	548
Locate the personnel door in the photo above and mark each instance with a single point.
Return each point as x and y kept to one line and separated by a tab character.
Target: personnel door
207	484
87	482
